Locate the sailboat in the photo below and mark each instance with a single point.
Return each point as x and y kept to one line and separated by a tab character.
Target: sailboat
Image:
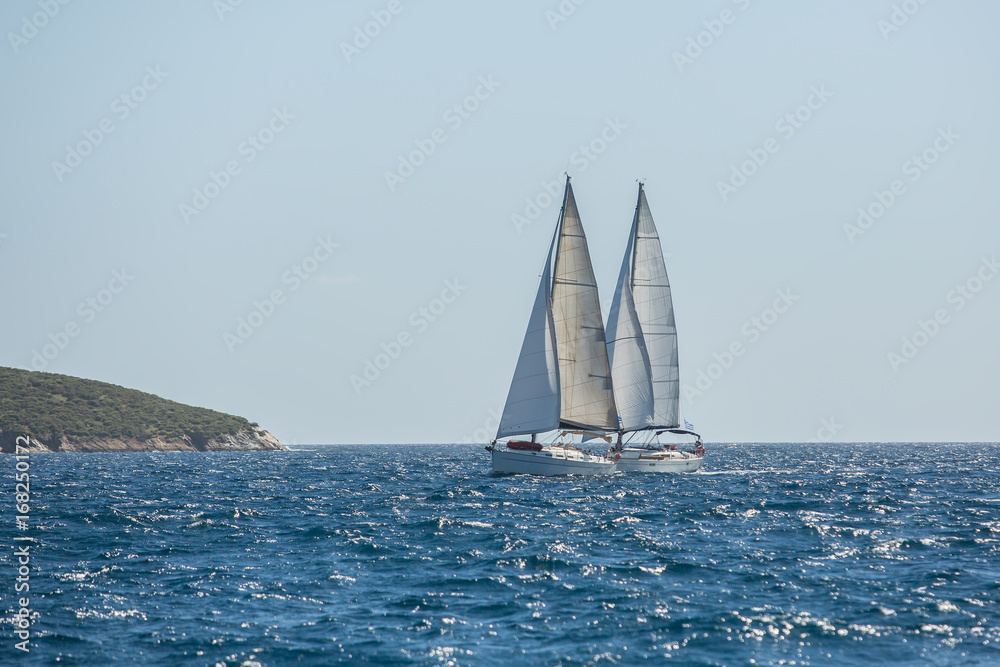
642	349
562	381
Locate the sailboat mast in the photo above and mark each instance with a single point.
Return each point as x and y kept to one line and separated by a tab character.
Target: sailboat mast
559	227
635	237
631	261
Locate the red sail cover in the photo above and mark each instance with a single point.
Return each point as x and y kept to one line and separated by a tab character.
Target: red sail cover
529	446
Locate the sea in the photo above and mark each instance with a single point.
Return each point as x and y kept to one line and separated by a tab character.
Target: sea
774	554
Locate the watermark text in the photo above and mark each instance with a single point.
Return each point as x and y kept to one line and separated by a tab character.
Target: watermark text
420	320
786	126
22	556
454	116
122	107
87	311
914	168
249	148
958	298
752	330
264	309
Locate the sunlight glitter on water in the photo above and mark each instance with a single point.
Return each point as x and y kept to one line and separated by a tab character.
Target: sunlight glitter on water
371	554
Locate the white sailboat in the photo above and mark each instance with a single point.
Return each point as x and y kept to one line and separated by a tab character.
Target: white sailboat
642	348
562	381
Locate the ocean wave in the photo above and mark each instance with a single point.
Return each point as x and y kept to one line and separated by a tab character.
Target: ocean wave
353	554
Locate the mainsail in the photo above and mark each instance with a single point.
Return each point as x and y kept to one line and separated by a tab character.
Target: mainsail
585	374
563	377
644	283
630	371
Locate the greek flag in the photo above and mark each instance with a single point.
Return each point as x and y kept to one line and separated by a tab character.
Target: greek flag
688	425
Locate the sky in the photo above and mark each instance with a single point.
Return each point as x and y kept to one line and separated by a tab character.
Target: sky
242	205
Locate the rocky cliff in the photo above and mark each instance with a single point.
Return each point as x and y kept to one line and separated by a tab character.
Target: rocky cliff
59	413
253	440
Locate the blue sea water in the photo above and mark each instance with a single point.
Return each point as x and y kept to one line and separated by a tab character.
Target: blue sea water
774	554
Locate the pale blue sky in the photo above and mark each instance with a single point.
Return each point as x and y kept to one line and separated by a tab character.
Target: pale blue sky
344	124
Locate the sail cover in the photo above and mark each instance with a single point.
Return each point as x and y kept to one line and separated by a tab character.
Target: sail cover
584	372
654	307
630	370
533	400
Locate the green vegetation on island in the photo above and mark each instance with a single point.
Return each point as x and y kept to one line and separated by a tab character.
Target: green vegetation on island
51	408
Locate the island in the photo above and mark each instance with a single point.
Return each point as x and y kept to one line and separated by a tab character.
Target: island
60	413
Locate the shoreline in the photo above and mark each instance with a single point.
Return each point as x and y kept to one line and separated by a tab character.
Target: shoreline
243	441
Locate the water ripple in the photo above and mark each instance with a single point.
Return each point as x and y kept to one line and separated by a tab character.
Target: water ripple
791	554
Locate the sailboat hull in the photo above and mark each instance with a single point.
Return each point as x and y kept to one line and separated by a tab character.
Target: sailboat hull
658	461
550	462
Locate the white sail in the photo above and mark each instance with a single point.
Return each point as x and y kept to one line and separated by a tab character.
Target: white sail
651	292
584	372
630	370
533	400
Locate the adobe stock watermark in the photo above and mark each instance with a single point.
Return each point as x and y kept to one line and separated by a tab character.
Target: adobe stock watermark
249	148
122	107
487	431
914	168
899	17
381	18
786	126
23	617
928	329
581	159
37	21
752	330
223	7
696	44
87	311
263	309
828	430
562	12
419	321
454	116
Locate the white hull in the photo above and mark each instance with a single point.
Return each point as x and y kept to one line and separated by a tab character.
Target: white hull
550	461
658	461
